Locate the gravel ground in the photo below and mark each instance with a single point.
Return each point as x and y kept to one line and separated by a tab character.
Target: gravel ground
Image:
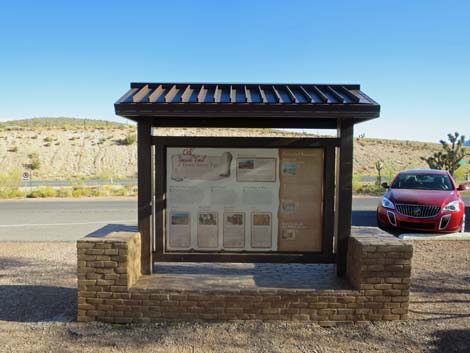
37	309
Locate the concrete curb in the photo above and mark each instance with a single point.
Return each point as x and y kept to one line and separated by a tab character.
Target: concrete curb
419	236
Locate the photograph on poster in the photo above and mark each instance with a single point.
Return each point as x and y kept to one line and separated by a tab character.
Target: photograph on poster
246	164
262	219
234	229
289	168
256	169
261	230
180	230
288	234
180	218
288	206
207	230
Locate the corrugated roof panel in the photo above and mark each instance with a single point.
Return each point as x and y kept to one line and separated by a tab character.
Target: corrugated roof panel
238	93
238	101
210	94
269	94
225	94
327	93
315	94
299	95
284	95
255	95
158	95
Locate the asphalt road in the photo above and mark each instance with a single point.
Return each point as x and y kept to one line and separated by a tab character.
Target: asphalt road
61	220
71	219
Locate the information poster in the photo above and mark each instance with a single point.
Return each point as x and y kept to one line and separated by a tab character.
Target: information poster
301	195
241	199
230	199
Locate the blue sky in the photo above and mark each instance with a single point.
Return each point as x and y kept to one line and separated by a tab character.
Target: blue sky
63	58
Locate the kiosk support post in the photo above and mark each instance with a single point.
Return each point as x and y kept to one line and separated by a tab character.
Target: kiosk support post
344	193
144	148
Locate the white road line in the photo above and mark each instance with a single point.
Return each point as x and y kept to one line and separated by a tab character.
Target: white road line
64	224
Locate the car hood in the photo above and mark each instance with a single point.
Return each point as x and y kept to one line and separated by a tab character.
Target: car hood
422	197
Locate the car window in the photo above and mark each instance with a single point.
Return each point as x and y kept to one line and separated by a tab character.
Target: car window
422	181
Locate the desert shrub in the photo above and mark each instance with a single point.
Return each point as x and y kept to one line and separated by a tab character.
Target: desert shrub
81	191
461	173
46	144
48	139
370	189
42	192
35	163
131	190
10	180
13	149
34	137
130	139
356	182
64	192
11	193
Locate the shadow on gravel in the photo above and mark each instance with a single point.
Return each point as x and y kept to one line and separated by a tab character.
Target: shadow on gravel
29	303
452	341
9	263
364	218
441	282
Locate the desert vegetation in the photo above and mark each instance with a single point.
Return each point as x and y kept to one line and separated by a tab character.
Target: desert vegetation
74	149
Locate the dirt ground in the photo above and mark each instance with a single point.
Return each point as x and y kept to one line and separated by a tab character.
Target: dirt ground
38	299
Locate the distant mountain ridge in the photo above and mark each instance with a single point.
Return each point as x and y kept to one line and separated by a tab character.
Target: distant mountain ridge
59	122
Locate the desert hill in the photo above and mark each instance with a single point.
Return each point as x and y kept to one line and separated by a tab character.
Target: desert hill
67	148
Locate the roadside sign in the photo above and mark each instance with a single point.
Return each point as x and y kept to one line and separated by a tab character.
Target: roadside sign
26	176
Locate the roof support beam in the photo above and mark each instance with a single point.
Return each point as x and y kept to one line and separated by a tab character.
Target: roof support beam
141	94
335	94
306	94
292	95
277	95
319	94
201	97
171	94
186	96
351	96
263	95
156	94
217	94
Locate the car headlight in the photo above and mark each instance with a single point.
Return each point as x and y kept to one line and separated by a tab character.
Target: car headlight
453	206
387	203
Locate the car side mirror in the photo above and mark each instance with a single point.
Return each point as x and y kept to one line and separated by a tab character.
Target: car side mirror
385	185
463	187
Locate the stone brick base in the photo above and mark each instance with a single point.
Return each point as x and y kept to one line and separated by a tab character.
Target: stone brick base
108	268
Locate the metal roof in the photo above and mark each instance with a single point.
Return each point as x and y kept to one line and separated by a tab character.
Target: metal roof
242	100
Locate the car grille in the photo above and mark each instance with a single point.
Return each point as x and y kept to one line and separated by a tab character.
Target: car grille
427	226
418	211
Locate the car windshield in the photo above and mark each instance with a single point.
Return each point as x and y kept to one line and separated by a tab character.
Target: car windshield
422	181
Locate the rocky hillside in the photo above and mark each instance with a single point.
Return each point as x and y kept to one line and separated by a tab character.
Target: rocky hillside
104	150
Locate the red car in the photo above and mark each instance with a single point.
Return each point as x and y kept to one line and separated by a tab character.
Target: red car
424	200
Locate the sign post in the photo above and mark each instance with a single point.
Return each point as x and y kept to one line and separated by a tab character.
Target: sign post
26	179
